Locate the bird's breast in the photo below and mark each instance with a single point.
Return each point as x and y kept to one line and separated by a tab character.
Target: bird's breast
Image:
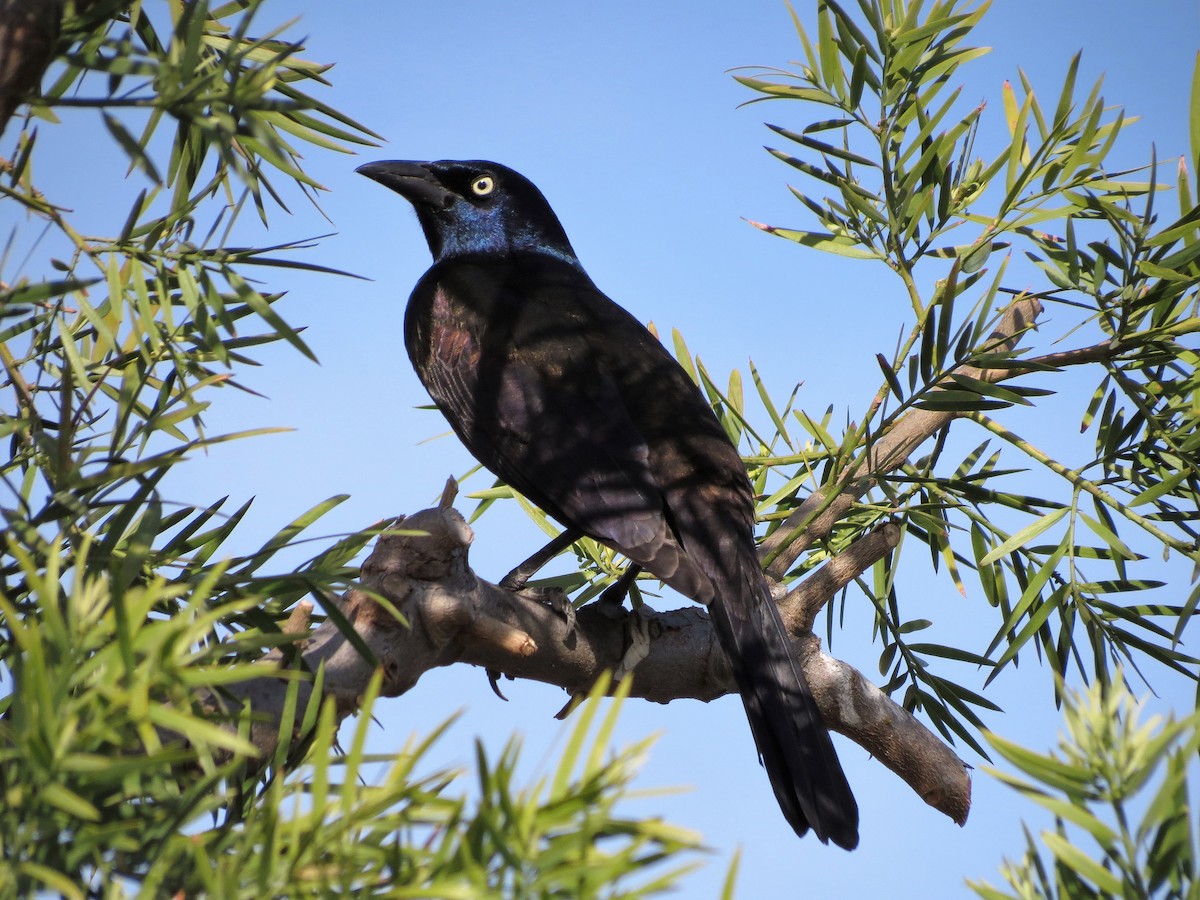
452	340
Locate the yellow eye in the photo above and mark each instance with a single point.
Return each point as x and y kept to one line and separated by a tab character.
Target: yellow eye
483	185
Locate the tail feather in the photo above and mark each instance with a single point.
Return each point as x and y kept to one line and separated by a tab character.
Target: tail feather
791	736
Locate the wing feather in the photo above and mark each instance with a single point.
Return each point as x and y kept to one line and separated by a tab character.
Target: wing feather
538	406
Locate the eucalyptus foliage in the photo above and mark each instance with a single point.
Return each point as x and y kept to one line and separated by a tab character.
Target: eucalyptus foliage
1067	554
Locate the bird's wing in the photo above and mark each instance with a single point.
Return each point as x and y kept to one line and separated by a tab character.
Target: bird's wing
575	451
538	408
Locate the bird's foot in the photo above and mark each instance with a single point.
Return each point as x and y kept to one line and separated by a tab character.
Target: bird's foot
637	647
613	597
515	580
556	599
520	575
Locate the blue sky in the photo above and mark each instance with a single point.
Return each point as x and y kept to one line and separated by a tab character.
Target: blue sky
624	114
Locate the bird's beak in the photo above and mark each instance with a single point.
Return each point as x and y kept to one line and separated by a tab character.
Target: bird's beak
411	180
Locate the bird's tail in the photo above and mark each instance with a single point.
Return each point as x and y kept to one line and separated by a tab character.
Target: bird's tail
792	739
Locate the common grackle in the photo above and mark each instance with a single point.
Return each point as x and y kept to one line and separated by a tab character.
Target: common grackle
571	401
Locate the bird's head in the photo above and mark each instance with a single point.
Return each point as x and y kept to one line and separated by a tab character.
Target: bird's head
475	207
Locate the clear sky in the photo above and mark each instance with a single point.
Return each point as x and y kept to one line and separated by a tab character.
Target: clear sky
624	114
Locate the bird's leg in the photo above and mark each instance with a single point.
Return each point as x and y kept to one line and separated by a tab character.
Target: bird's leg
516	579
637	636
616	592
637	627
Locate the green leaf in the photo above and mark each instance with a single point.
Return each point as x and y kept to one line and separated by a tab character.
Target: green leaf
772	411
829	243
1076	859
1194	113
1077	814
683	355
1025	535
822	147
827	49
138	158
1166	486
858	78
575	742
1068	91
52	878
933	26
889	375
199	730
1045	769
791	91
69	802
976	255
957	401
730	880
29	294
955	653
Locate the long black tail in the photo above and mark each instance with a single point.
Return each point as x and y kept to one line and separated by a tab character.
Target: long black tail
792	739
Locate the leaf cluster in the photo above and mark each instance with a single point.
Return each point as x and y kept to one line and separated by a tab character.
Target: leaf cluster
110	368
1106	842
904	183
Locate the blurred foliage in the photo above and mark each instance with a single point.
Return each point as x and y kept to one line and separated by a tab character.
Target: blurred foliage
1118	789
99	801
123	612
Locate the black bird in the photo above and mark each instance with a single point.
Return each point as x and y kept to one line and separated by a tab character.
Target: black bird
571	401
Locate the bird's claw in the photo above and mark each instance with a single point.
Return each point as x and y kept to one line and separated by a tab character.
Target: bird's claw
514	581
557	600
494	676
637	636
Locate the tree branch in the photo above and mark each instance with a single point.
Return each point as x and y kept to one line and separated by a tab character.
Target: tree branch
28	34
421	606
450	615
815	517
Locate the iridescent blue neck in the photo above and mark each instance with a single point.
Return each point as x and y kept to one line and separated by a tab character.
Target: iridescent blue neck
465	230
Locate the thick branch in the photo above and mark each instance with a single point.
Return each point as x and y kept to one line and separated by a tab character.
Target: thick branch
803	602
28	33
450	615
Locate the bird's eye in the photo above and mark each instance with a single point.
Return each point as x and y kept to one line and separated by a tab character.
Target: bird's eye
483	185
